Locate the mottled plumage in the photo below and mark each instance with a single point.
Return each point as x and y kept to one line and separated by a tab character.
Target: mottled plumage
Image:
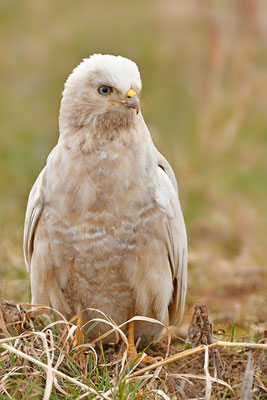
104	227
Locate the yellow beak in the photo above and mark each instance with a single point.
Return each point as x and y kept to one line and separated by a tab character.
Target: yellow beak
131	93
131	100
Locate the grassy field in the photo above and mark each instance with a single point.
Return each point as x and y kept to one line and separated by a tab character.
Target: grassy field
203	66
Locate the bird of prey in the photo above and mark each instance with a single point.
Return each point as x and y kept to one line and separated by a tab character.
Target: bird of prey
104	227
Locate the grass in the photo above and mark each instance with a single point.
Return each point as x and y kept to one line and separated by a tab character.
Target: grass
203	66
53	358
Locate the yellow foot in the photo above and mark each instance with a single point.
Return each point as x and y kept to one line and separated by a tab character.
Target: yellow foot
132	354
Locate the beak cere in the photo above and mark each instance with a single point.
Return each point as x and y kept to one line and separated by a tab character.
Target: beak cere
132	100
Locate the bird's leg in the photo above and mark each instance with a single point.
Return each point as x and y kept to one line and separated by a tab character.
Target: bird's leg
80	321
131	347
78	340
132	353
78	332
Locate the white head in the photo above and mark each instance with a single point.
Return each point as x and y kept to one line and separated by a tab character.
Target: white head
102	92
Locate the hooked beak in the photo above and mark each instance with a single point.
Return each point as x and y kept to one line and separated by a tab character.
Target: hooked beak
131	100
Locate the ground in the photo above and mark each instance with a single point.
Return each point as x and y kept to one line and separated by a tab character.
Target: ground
178	373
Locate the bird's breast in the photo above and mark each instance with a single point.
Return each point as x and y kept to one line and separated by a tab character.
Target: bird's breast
103	225
102	199
112	177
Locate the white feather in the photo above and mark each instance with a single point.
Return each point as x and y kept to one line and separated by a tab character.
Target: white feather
33	213
166	195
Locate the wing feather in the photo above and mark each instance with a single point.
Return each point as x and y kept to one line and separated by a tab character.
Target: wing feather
33	213
163	163
176	239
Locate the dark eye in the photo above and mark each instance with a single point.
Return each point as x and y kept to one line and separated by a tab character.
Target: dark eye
105	90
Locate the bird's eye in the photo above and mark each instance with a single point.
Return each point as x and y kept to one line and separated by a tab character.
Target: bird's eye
105	90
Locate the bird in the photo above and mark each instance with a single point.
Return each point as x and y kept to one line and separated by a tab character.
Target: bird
104	229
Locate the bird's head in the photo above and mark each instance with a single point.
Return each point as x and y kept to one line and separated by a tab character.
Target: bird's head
102	92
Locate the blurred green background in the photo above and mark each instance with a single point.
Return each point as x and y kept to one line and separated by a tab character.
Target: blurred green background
204	71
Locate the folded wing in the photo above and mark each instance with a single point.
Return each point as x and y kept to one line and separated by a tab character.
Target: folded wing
167	198
33	214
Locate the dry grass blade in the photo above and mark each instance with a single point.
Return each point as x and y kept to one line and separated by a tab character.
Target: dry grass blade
258	382
203	377
242	344
49	372
10	339
208	378
161	394
3	327
247	392
59	388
